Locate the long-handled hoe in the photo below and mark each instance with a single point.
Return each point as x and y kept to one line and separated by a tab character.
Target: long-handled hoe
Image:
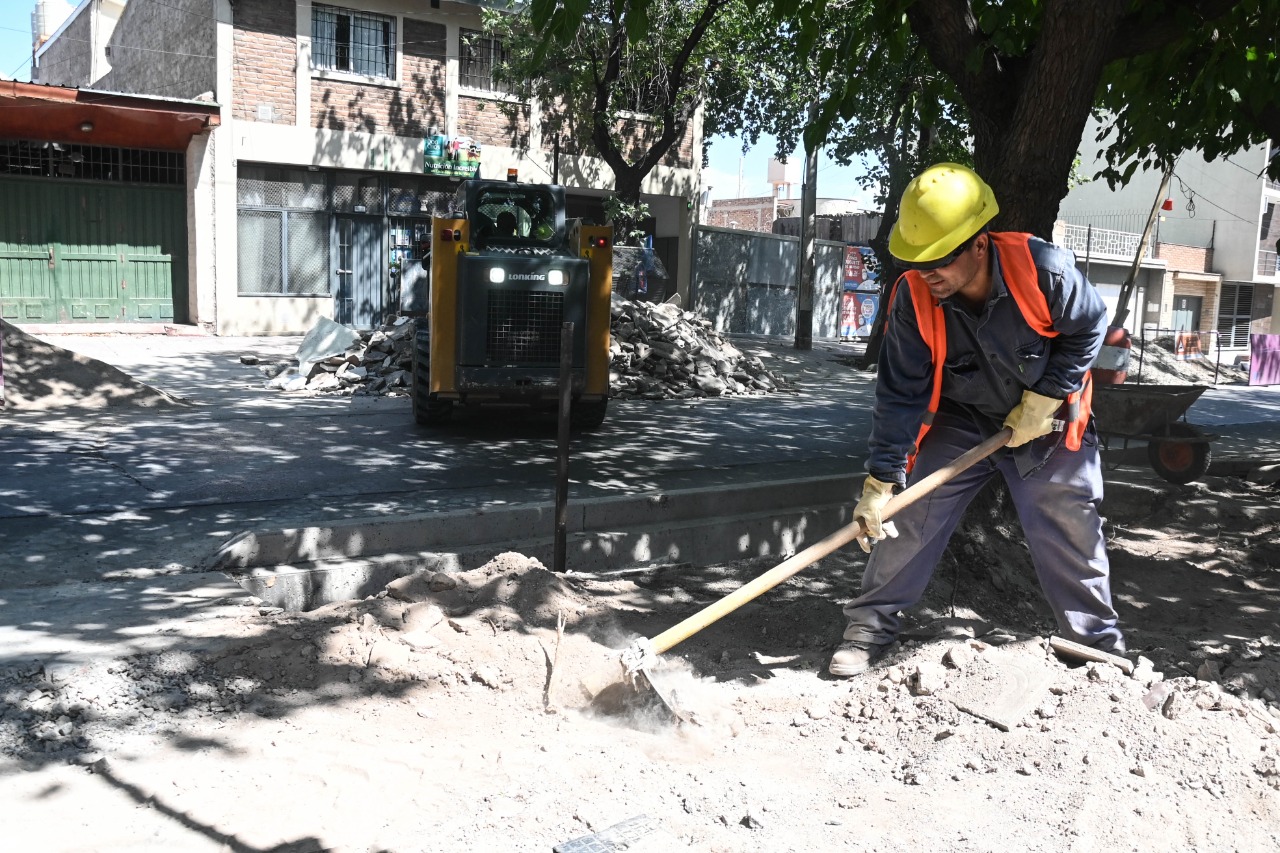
635	691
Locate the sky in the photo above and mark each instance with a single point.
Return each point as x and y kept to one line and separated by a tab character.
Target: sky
15	33
726	163
730	173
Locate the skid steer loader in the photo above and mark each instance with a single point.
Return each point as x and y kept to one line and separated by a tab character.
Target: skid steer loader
507	271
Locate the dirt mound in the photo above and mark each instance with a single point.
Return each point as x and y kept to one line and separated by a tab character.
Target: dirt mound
39	376
448	713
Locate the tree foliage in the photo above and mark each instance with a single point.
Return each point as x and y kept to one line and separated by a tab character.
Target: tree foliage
1213	87
621	79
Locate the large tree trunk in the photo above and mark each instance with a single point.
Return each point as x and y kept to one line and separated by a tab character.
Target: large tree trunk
1027	114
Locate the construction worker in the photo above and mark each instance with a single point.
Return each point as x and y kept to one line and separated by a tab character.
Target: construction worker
985	330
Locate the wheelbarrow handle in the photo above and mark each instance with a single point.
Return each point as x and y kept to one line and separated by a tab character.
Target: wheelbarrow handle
685	629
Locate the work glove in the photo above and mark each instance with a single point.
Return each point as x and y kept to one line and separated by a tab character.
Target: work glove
875	495
1031	418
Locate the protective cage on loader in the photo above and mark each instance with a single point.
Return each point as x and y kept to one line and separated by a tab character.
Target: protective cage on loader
507	271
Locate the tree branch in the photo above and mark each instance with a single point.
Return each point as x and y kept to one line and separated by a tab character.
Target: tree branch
1138	35
673	128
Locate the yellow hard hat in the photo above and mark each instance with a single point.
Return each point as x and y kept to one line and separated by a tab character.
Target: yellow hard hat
943	206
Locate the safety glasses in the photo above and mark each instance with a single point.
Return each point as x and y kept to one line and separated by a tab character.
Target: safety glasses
944	261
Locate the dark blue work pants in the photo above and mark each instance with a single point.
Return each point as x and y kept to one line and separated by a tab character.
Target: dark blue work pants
1058	508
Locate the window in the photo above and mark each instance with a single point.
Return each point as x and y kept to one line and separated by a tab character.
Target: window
515	215
478	56
92	163
358	42
1268	240
1235	309
283	232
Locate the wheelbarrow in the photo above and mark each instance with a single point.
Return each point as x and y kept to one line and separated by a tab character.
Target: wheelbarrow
1178	451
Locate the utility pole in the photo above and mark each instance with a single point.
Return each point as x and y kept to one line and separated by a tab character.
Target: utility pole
807	257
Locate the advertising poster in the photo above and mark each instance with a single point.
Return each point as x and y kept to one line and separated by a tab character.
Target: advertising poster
861	293
451	156
857	313
853	267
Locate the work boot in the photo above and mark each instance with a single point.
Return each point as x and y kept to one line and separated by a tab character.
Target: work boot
853	658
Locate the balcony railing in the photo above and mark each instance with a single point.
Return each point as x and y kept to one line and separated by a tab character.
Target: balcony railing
1102	242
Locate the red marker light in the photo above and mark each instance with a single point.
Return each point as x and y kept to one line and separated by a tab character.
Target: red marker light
600	241
446	235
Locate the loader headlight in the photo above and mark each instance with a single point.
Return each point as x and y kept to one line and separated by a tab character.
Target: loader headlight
497	275
555	276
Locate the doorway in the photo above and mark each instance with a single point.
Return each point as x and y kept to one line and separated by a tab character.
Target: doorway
1186	313
359	273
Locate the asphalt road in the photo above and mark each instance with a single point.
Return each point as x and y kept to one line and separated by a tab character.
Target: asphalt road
97	494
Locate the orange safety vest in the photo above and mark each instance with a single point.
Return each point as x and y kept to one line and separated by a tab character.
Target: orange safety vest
1023	281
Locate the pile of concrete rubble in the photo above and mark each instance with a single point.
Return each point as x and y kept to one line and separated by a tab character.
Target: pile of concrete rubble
662	352
333	359
658	351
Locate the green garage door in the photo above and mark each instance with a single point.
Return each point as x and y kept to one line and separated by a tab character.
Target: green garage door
91	252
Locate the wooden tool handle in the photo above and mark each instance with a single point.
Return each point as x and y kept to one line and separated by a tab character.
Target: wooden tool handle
682	631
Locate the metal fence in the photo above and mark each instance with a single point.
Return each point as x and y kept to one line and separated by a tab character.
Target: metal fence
745	282
1185	345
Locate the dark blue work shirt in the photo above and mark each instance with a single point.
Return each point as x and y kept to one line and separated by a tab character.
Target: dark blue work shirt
993	355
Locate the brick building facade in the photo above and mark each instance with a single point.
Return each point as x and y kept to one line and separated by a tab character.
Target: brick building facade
317	189
264	73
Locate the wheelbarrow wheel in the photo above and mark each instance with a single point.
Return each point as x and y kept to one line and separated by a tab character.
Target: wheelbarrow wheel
1176	459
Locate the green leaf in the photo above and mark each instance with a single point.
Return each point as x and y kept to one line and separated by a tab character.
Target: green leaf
637	21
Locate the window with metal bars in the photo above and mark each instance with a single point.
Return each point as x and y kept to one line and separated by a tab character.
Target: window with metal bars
357	42
283	232
478	56
92	163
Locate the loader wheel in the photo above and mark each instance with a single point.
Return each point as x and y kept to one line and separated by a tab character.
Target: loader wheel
587	415
428	408
1180	461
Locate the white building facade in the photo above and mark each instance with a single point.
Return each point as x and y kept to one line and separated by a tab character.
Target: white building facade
1211	262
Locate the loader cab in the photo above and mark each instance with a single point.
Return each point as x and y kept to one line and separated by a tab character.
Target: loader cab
513	218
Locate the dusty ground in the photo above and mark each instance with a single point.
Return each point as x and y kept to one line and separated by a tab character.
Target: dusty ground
449	714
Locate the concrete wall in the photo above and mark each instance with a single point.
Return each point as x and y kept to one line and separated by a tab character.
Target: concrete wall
163	48
745	282
68	59
747	214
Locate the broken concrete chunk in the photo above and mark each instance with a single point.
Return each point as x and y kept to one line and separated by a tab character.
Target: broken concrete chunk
487	676
1209	671
928	679
440	582
422	616
959	656
326	338
1156	696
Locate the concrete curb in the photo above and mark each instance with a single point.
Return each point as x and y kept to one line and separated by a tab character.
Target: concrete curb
304	568
308	567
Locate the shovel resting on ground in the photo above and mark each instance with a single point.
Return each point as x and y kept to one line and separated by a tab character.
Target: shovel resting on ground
637	690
